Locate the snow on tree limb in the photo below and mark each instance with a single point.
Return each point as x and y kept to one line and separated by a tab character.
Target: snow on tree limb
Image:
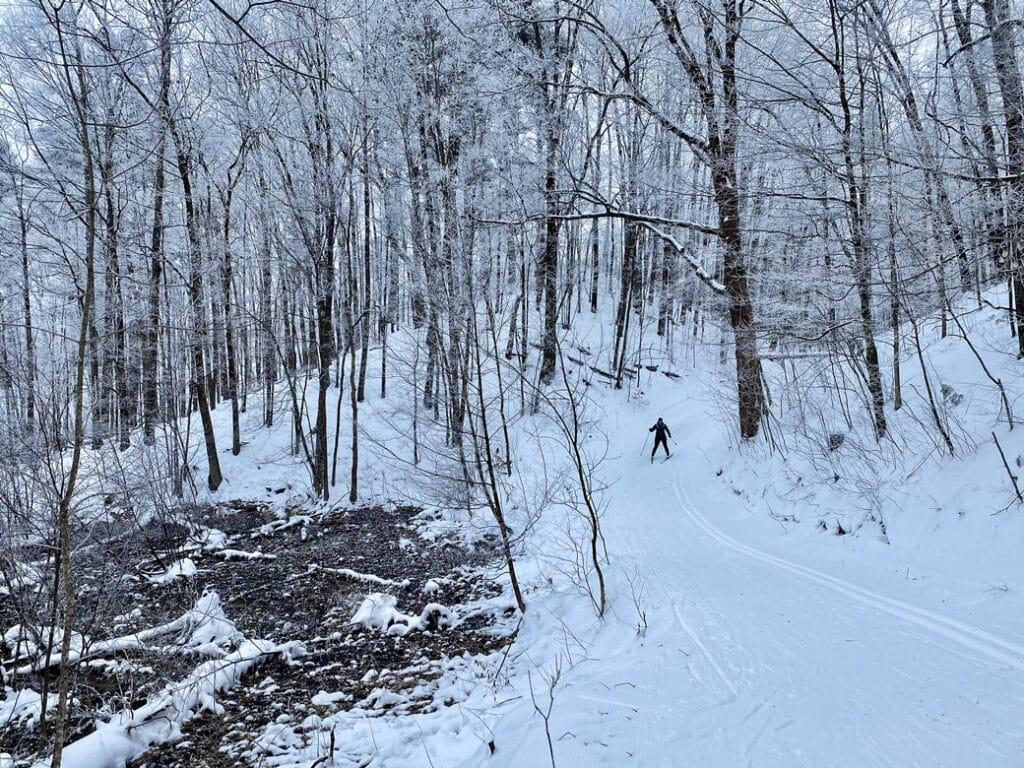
698	269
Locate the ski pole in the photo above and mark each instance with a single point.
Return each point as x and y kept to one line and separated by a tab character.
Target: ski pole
644	447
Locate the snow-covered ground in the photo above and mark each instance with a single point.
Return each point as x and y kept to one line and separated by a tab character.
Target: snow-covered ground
742	629
768	643
746	632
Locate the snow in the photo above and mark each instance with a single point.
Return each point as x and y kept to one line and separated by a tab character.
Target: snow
379	611
238	554
179	569
741	633
324	699
208	624
129	733
204	628
367	578
22	706
283	525
364	735
741	630
211	539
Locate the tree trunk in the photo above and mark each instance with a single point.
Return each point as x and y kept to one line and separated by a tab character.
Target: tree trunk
197	311
1004	54
749	384
994	210
266	329
367	302
114	346
594	266
718	151
856	205
26	304
151	333
79	99
549	263
229	330
749	387
326	356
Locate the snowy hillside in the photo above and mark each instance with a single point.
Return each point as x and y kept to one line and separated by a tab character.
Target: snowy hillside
336	339
793	606
745	631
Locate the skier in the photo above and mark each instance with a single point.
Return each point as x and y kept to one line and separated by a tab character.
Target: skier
661	435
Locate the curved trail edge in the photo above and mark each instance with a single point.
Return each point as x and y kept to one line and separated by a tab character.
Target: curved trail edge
978	641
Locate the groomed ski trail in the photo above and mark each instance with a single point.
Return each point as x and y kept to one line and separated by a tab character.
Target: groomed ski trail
732	644
752	659
991	646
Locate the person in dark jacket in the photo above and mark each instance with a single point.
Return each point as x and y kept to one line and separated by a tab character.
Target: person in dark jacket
661	435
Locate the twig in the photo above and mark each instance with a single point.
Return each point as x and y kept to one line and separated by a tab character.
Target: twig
981	361
423	743
329	757
1013	477
545	713
504	656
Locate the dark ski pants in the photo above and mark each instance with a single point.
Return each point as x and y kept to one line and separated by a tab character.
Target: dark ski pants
662	442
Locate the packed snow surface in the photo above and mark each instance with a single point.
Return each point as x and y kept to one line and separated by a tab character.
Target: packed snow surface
744	632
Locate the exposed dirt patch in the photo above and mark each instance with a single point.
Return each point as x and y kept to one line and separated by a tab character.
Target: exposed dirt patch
280	578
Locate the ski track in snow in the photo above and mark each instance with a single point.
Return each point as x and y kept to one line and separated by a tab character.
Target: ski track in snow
984	647
752	659
695	639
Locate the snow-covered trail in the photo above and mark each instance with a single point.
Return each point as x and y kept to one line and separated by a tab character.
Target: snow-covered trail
755	658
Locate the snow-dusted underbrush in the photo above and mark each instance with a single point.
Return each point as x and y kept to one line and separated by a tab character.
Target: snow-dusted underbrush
238	585
821	462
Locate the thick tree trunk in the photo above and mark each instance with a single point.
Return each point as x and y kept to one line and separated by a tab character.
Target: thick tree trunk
115	389
719	101
98	401
595	271
151	333
665	292
326	357
353	475
267	343
549	264
458	305
1004	53
749	383
856	205
628	285
749	386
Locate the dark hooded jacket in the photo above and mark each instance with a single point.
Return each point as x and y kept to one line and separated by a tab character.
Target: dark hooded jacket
660	430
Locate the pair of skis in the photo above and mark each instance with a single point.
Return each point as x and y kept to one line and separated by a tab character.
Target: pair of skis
643	449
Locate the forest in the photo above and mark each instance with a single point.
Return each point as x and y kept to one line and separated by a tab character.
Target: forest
386	225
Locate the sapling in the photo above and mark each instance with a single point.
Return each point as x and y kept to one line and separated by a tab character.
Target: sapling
551	681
